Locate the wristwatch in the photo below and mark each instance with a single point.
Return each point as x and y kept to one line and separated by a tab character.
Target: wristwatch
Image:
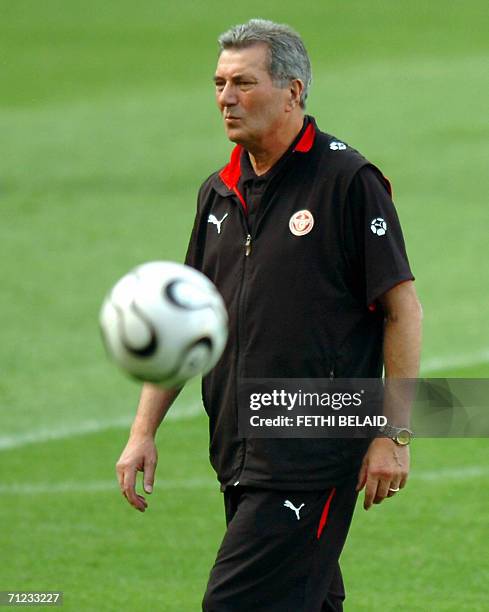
400	435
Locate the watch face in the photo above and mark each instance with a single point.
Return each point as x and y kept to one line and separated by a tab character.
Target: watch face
403	437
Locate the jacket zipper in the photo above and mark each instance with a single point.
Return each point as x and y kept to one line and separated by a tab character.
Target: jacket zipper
241	301
248	245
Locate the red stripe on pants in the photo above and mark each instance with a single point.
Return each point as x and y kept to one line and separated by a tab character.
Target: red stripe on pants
324	515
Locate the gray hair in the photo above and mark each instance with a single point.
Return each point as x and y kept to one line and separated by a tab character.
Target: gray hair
288	55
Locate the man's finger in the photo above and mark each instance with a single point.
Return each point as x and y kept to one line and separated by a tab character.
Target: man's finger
382	491
362	477
394	487
143	501
130	490
370	491
120	478
149	476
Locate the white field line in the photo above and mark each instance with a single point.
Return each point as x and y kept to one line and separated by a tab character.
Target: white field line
448	362
92	426
462	473
100	486
110	486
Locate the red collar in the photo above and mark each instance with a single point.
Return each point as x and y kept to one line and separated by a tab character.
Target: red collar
231	173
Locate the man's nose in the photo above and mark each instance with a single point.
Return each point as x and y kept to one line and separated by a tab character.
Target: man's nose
228	95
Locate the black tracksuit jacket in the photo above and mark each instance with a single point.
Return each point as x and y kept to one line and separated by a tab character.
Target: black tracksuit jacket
300	306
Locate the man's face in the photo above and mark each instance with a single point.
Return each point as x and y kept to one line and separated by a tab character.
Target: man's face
251	106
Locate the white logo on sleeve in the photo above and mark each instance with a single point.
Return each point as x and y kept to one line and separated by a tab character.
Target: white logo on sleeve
213	219
336	145
378	226
289	504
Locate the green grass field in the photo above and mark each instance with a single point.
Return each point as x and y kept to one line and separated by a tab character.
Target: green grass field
107	127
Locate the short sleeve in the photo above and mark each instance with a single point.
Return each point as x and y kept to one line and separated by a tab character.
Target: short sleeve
193	255
374	242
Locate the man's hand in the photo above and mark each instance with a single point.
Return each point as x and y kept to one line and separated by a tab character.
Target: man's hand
385	467
140	455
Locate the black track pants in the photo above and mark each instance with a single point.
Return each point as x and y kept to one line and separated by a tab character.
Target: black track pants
280	551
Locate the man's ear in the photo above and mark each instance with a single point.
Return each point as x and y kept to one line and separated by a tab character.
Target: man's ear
295	89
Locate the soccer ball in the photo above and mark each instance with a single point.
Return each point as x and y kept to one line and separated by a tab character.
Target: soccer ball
164	322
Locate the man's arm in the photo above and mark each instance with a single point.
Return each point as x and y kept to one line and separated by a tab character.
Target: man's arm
386	465
140	454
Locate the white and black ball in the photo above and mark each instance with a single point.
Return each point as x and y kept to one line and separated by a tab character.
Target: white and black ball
164	322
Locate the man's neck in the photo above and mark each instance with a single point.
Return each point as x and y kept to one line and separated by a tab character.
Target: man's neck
264	156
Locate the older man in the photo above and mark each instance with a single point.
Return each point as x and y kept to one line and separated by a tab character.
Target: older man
308	254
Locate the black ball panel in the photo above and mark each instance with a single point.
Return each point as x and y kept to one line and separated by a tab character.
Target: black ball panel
151	346
171	292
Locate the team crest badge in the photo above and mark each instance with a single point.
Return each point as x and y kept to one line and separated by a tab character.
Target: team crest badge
301	222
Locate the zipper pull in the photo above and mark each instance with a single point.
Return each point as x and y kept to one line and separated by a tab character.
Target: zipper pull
248	245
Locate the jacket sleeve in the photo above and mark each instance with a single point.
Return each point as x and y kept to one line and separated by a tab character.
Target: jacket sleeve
195	247
191	256
375	243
